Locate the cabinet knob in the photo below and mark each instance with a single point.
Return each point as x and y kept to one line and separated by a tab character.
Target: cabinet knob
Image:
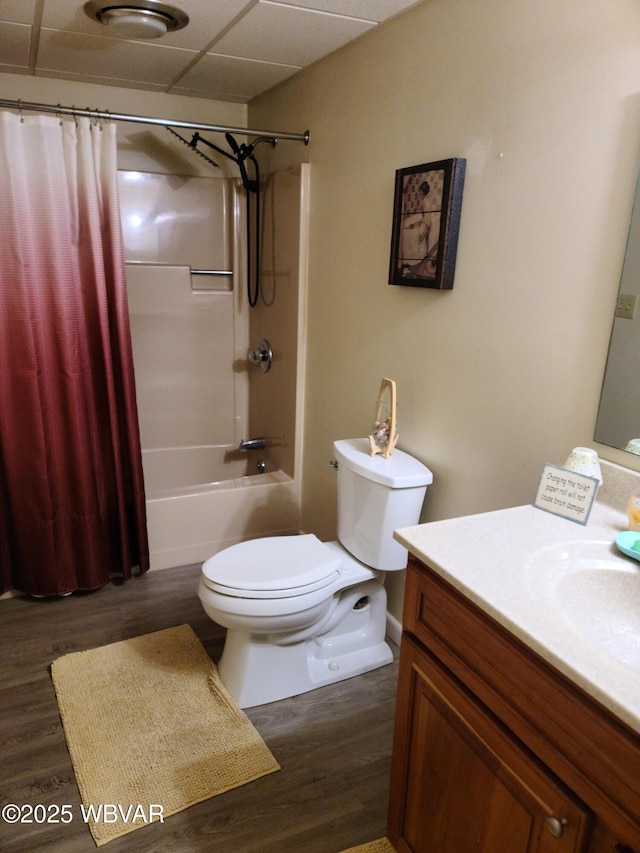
556	826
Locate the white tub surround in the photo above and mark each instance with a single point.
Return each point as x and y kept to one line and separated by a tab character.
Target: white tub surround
514	565
198	394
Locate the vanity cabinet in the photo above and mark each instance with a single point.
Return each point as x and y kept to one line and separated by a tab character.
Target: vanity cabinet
496	751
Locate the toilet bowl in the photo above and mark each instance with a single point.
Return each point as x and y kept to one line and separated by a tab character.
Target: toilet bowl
301	613
295	635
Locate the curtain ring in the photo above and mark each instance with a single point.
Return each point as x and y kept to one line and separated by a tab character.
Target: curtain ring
59	114
73	113
20	110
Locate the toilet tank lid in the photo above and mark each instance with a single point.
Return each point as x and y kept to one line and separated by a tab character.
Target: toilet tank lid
398	471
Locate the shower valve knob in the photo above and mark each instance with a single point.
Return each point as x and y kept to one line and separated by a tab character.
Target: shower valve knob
262	356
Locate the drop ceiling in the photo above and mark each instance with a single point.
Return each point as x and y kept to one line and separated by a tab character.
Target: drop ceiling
231	50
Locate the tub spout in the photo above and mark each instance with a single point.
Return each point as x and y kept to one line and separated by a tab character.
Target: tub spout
252	444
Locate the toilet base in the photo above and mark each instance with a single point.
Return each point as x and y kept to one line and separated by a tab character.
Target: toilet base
256	670
289	672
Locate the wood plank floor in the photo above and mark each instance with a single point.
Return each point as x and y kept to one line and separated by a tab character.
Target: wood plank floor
333	744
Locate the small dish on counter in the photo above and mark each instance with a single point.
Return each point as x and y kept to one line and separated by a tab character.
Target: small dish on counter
629	543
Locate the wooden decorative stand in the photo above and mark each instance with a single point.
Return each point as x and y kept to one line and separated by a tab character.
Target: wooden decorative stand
384	437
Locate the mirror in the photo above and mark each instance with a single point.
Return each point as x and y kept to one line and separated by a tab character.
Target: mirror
618	423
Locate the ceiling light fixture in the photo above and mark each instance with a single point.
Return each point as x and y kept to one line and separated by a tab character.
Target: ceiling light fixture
147	19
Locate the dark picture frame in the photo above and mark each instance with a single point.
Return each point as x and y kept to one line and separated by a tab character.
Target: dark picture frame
426	222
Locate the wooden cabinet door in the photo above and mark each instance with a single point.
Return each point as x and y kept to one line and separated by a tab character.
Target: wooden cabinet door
461	782
601	840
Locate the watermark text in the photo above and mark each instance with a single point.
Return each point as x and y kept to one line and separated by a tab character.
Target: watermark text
132	813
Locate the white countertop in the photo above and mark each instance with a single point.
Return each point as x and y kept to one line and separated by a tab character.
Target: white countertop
511	562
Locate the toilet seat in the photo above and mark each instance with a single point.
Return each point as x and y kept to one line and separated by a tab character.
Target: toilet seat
272	567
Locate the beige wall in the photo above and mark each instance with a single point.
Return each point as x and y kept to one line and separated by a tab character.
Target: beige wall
503	373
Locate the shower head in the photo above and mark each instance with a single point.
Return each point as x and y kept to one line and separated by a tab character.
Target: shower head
233	145
192	145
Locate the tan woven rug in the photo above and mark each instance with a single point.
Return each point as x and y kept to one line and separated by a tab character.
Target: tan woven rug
150	725
379	846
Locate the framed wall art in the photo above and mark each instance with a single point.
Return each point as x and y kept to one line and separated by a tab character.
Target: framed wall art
426	222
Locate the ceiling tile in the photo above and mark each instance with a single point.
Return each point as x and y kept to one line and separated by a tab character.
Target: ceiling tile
110	58
271	32
17	11
14	45
103	81
378	11
225	75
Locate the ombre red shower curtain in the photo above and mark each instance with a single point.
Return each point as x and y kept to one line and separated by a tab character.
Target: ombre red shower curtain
72	511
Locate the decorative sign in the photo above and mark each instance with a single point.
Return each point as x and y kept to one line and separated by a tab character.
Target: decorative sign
563	492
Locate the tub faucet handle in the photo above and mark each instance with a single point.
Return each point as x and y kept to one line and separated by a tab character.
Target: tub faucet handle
262	356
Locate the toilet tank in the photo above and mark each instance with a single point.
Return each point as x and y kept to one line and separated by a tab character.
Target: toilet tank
375	497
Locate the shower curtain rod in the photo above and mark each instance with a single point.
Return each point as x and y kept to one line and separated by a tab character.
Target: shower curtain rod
165	122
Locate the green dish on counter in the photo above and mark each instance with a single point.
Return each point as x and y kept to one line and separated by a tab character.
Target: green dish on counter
629	543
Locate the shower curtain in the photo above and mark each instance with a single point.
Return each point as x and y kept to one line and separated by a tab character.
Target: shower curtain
72	510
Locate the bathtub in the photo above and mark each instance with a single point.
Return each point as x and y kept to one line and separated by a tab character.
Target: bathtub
224	502
174	469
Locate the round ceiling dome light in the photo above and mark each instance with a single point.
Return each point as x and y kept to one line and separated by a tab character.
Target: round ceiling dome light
148	19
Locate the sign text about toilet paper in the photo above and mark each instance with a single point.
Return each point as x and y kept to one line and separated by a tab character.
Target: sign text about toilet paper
566	493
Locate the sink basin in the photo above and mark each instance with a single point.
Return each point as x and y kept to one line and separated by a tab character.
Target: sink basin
604	605
595	591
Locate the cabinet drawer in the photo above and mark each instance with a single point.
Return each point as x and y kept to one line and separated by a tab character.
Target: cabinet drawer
581	742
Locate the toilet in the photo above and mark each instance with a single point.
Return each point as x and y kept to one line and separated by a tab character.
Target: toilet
301	613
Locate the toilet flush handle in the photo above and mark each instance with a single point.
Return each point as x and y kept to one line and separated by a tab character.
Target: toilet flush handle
333	463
